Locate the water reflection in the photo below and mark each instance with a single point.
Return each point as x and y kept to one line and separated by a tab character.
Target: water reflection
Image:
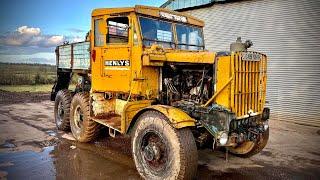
86	161
111	159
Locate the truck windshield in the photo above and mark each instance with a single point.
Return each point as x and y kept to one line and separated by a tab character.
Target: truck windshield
161	32
189	37
156	31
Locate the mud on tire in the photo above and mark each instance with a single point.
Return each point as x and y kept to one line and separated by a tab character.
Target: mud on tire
82	127
62	110
161	151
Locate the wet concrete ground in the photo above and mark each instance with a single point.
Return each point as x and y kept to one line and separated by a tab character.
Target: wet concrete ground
31	148
95	161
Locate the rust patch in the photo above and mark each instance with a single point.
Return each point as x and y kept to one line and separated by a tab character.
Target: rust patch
106	115
100	105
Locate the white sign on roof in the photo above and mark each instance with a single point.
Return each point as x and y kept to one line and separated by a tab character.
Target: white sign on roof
173	17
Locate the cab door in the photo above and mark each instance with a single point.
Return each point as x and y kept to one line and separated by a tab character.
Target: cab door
113	55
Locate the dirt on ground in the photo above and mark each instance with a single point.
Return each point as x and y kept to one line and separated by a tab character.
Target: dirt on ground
7	97
32	148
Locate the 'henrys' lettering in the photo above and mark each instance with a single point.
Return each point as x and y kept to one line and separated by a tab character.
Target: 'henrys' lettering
117	63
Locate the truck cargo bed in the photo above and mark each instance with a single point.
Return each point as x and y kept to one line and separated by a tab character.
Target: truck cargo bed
75	56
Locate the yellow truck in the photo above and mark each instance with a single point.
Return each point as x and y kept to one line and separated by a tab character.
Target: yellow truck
145	72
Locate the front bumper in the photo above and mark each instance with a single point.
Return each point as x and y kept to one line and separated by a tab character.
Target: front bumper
247	129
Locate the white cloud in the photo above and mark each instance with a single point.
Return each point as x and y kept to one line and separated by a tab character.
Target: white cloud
29	31
77	39
30	36
31	45
54	40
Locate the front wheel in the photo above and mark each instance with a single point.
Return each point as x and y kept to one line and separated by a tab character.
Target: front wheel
161	151
250	148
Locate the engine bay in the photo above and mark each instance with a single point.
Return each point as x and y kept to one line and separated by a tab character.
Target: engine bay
189	83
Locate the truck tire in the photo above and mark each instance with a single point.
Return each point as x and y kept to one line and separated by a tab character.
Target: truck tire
161	151
82	127
62	110
248	149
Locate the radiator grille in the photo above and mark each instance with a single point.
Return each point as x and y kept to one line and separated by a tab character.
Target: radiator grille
249	85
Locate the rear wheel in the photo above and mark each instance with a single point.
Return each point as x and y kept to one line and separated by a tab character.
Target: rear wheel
62	110
82	127
161	151
250	148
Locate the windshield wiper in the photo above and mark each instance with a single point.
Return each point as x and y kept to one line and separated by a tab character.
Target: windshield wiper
155	40
190	45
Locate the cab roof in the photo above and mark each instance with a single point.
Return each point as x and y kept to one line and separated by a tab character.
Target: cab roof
149	11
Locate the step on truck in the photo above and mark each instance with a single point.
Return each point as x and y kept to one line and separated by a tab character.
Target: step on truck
145	72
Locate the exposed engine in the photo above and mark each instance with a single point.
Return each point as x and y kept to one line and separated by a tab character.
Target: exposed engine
187	83
188	88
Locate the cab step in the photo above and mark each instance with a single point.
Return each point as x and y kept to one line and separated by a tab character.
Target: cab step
113	123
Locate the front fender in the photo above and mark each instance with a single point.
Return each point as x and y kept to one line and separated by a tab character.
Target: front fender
177	117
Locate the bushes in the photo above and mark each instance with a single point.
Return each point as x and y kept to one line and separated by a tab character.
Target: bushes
38	79
26	74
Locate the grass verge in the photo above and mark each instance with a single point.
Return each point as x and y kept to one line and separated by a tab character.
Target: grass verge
27	88
46	88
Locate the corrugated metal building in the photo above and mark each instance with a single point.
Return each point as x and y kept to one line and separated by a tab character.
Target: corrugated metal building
288	31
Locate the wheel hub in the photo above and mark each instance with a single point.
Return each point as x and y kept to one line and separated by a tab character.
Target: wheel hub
78	117
60	109
152	152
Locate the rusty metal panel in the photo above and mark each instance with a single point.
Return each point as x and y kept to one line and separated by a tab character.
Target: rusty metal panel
64	56
81	55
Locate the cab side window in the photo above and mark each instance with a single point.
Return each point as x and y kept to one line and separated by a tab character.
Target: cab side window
98	36
118	30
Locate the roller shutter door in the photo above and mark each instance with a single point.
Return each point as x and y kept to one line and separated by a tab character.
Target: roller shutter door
289	33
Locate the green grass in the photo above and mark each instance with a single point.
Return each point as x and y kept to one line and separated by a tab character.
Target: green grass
26	74
30	88
27	88
29	77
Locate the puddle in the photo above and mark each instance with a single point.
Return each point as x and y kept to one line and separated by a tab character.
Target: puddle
29	165
6	164
51	133
87	161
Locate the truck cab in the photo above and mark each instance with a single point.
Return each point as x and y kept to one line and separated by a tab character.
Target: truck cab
124	43
145	72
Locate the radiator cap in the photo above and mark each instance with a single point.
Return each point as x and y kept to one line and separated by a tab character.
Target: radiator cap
240	46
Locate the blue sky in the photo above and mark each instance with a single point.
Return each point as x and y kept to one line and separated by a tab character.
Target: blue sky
30	29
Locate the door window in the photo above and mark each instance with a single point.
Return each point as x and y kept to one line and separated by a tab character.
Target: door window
118	30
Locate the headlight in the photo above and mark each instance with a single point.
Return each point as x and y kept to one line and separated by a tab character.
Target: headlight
223	138
265	114
265	125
